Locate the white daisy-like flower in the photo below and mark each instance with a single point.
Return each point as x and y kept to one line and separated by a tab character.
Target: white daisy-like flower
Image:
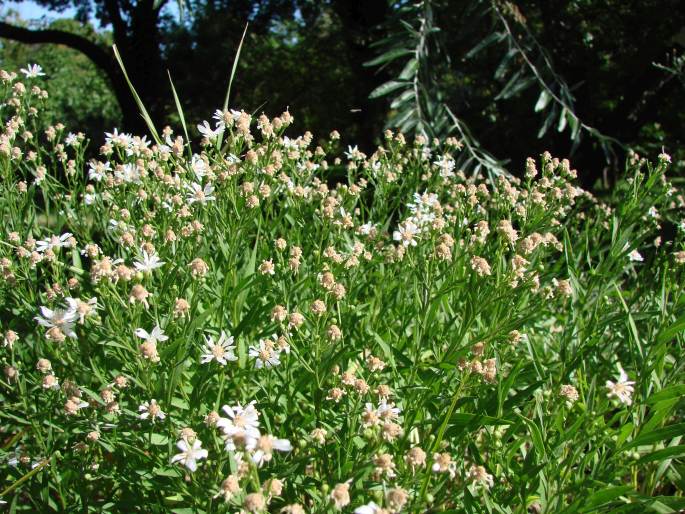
622	389
71	139
366	228
219	117
117	138
241	427
222	351
32	71
198	194
265	355
137	145
199	166
53	242
266	446
81	309
211	134
446	166
387	410
190	453
97	170
290	144
148	263
353	153
156	336
62	319
151	410
635	256
405	233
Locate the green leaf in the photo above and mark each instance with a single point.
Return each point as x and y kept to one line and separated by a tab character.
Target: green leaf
168	472
179	108
494	37
667	393
234	68
562	120
388	88
604	496
141	106
536	435
672	331
389	56
659	434
158	439
665	453
180	403
543	100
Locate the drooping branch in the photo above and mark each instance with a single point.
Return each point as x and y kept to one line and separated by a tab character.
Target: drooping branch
99	55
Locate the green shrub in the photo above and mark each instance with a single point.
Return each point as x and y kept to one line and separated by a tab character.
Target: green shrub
226	331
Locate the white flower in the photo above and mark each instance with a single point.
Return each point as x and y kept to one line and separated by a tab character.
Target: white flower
81	309
206	130
116	138
127	173
480	477
136	145
387	411
151	410
405	233
353	153
156	336
446	166
219	117
196	193
62	319
71	139
190	454
97	170
149	263
53	242
222	351
622	389
264	355
240	427
265	447
369	508
366	229
198	166
32	71
635	256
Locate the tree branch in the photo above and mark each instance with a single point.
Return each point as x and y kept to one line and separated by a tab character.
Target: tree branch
93	51
99	55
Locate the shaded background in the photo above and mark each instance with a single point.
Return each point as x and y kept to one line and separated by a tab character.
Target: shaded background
621	61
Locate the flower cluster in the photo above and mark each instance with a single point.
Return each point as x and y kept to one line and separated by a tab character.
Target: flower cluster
409	339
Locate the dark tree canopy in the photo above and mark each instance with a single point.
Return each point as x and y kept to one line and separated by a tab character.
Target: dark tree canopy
309	56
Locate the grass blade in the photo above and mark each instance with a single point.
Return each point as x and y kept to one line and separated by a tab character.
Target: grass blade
179	108
235	67
143	110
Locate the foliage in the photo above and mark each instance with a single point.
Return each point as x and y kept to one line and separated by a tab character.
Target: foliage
412	338
516	47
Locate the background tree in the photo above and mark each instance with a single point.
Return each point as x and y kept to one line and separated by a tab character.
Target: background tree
587	79
69	71
515	72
